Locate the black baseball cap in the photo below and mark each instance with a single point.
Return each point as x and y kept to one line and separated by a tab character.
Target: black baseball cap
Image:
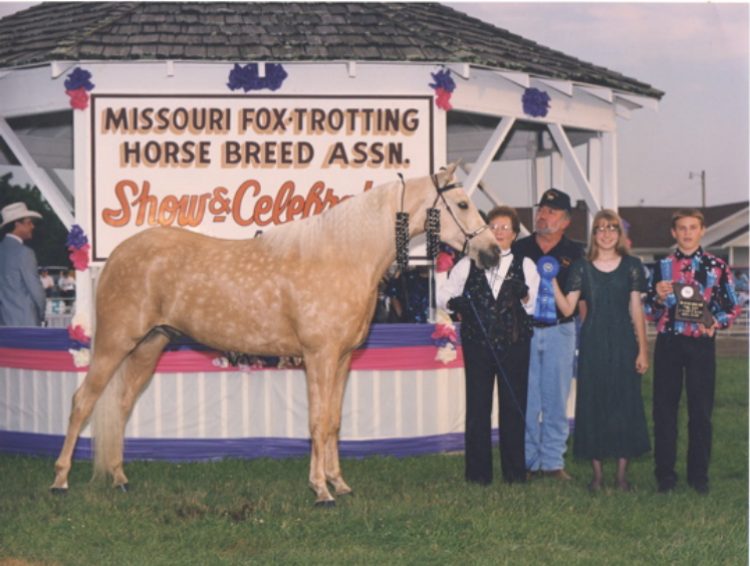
556	199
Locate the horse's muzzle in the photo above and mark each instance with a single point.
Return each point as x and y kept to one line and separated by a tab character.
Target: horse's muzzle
490	257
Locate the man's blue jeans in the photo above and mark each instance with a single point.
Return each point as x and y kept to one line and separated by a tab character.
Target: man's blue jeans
550	374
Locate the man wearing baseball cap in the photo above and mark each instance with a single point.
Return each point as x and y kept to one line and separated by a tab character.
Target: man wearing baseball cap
552	345
22	299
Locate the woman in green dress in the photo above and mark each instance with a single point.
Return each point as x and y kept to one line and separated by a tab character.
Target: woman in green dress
613	353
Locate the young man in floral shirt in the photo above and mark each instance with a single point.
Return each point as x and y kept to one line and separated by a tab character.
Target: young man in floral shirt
686	348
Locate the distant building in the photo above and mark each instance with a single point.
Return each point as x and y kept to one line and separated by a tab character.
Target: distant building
727	230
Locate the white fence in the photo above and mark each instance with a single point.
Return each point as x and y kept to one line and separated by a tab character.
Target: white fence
59	312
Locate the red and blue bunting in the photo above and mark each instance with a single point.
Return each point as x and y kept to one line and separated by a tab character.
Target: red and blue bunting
77	86
444	85
535	102
248	77
389	347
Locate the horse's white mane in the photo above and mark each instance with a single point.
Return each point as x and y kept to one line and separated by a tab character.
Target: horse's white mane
353	222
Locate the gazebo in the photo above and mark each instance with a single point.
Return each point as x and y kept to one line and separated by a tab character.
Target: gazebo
229	118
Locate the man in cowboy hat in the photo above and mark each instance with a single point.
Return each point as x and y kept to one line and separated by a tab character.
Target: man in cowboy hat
22	299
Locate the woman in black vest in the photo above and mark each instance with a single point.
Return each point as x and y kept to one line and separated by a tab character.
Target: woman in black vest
495	307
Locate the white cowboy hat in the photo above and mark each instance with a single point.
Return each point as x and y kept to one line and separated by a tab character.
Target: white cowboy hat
16	211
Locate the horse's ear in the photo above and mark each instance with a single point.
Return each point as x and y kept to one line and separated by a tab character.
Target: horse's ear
451	168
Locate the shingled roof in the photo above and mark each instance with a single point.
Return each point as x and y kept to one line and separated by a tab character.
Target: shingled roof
288	31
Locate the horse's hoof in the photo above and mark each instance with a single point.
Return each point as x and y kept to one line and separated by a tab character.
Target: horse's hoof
349	493
123	487
58	490
326	504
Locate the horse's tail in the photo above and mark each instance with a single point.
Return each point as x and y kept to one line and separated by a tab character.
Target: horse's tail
107	425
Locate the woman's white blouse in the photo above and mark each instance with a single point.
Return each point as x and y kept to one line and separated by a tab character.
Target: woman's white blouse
453	286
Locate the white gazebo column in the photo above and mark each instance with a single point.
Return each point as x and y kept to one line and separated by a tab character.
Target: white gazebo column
557	171
610	190
575	169
594	166
82	182
485	158
538	178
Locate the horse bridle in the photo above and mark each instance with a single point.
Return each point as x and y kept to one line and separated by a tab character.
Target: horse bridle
432	229
432	223
468	236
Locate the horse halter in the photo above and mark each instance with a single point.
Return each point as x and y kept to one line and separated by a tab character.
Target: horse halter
468	236
432	224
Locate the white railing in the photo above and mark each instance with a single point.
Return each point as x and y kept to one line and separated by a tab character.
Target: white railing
59	312
741	324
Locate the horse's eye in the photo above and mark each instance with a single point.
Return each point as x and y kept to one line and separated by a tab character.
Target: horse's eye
463	205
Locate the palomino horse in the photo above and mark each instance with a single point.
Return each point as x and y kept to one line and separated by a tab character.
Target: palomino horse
306	289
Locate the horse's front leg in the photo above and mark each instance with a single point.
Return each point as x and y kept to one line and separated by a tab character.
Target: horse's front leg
321	371
332	467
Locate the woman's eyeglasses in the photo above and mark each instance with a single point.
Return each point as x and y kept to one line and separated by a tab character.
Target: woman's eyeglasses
607	228
501	227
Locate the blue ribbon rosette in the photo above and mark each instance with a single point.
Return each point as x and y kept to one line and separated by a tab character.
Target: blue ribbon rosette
665	265
545	310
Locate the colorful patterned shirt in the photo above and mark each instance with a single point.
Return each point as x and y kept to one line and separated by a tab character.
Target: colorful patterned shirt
715	282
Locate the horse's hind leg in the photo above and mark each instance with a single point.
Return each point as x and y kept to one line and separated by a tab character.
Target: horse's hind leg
321	370
112	411
105	361
332	467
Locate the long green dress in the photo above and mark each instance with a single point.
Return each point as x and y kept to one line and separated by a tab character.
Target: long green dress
610	419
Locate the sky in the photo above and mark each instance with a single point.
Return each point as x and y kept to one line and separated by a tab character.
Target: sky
697	53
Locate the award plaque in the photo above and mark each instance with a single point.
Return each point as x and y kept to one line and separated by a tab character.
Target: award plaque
690	305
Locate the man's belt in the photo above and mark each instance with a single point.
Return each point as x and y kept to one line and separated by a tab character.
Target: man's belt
537	324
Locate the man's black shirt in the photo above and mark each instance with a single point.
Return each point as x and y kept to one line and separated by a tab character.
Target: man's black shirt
566	252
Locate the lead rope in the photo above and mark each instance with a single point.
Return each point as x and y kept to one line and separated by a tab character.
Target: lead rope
432	229
495	356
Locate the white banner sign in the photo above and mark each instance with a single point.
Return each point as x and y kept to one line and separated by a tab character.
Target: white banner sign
231	166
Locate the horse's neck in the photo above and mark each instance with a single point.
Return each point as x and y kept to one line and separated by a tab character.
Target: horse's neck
361	231
415	203
412	198
380	241
369	230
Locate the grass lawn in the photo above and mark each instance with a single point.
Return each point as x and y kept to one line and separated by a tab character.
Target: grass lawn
404	511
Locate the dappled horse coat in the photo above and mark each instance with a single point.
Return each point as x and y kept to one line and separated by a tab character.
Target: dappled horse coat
307	289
